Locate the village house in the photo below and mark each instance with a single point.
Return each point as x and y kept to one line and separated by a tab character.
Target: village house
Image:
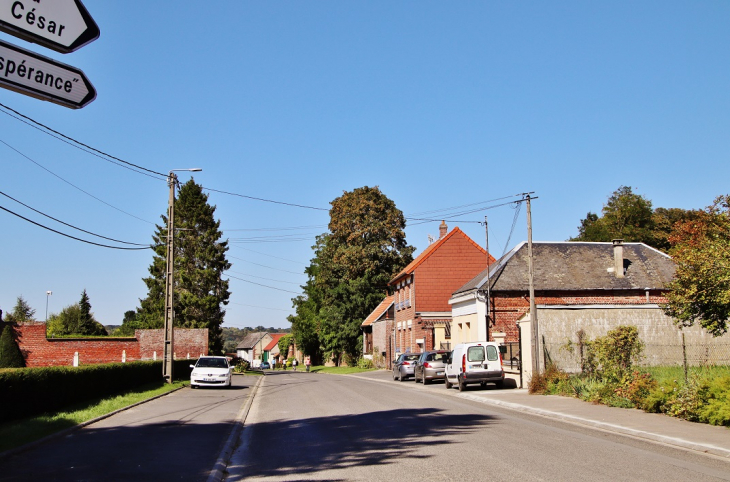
422	314
251	348
586	286
376	332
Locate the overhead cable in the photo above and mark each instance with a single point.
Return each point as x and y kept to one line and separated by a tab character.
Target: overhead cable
70	225
264	200
265	286
73	185
74	141
72	237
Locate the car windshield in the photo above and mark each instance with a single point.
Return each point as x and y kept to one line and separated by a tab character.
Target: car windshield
212	363
410	357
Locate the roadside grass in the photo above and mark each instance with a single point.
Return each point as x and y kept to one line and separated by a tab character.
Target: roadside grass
671	373
340	370
19	432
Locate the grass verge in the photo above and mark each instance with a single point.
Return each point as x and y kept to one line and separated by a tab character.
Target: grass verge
20	432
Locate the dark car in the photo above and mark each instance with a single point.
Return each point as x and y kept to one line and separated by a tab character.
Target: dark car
431	366
265	366
403	366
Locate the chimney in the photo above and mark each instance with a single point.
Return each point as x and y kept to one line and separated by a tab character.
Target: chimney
618	257
443	229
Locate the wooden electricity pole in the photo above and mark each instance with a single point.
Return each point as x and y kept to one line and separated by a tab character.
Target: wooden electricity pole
535	336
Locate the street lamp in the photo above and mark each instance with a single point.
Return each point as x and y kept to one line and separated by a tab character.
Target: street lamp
48	293
169	348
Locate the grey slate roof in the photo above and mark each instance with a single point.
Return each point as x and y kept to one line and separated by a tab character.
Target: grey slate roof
251	340
561	266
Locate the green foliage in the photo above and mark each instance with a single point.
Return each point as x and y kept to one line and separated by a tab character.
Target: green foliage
22	312
284	343
364	248
365	364
612	356
354	262
75	319
200	261
700	291
10	355
242	366
716	409
630	217
31	391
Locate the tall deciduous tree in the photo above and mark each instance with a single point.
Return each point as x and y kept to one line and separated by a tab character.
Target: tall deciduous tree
21	313
306	322
200	260
629	216
364	248
700	292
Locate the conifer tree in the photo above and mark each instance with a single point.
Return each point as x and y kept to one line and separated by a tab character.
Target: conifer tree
10	355
200	260
21	313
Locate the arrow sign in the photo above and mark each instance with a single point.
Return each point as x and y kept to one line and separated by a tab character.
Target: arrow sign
32	74
60	25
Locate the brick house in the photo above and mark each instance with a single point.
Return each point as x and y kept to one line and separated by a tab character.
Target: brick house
376	332
586	286
422	290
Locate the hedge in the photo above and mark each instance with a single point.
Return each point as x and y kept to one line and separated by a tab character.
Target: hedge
31	391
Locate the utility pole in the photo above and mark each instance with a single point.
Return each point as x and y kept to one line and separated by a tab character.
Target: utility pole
531	276
170	284
489	298
169	348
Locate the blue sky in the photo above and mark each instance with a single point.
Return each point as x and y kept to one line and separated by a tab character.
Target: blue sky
440	104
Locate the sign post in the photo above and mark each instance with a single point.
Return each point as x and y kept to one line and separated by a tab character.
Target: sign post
46	79
60	25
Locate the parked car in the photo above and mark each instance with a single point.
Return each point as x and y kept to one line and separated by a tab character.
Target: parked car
403	366
211	371
475	362
430	366
265	366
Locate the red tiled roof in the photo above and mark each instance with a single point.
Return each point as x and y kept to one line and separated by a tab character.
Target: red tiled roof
431	249
276	337
378	312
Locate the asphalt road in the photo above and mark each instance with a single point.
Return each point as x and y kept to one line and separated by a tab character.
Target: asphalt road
308	426
176	437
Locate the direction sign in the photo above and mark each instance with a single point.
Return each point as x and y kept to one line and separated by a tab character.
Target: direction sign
60	25
37	76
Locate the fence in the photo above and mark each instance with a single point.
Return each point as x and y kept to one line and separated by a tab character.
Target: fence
696	354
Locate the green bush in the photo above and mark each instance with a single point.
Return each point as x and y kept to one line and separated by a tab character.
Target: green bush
611	357
10	355
716	410
366	364
31	391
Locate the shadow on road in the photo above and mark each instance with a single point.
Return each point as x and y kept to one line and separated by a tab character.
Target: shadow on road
338	442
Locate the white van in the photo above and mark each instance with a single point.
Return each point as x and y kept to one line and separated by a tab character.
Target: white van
475	362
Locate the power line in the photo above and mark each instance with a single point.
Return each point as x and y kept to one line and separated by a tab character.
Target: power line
264	266
271	256
74	141
69	236
72	184
422	213
262	307
70	225
265	286
265	200
261	277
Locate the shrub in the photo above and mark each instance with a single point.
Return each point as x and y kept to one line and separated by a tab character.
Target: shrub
615	353
635	387
686	400
716	411
10	355
366	364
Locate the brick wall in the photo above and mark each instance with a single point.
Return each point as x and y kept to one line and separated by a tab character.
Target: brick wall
511	306
40	351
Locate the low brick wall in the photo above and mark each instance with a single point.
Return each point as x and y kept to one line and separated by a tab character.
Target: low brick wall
40	351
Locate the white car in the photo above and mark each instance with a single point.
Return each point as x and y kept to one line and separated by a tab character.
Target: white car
211	371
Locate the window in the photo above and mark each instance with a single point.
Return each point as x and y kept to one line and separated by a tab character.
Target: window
475	354
492	353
